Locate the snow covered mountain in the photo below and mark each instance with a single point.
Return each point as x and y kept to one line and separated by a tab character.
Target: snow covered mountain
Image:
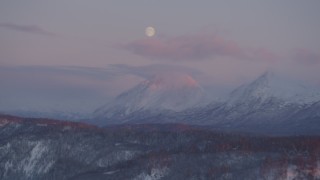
271	86
162	93
269	103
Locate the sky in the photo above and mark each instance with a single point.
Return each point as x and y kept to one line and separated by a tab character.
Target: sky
228	42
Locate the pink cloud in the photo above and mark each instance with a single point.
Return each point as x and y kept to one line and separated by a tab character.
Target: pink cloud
194	47
263	54
306	56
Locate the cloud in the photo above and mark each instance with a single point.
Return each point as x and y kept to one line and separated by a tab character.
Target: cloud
306	56
150	71
195	47
33	29
192	47
262	54
85	82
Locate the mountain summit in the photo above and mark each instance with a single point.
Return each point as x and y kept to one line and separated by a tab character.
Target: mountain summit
273	86
270	103
173	92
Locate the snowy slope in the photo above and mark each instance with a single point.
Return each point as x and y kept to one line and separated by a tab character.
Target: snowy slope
173	93
271	101
270	85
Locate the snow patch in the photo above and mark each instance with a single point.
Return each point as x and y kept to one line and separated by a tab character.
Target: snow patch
8	165
6	147
128	154
66	128
292	172
156	174
110	172
30	163
46	168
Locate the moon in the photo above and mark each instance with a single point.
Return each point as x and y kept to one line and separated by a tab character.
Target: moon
150	31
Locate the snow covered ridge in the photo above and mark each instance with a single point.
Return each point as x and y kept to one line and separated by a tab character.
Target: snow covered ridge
270	85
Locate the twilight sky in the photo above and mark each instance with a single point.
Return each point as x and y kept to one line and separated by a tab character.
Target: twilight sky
230	41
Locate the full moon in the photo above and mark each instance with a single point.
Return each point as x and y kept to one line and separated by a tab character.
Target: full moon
150	31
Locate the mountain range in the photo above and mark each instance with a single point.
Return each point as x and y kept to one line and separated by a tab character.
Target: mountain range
271	103
165	128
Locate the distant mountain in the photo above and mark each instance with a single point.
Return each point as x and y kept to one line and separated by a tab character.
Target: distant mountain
53	114
34	149
271	86
271	103
165	93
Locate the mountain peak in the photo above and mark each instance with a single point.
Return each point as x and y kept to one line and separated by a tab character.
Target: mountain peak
266	79
171	81
267	75
170	92
272	85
